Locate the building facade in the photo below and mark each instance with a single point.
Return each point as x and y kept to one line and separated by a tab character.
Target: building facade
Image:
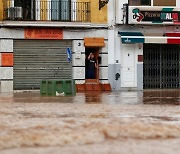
144	44
35	36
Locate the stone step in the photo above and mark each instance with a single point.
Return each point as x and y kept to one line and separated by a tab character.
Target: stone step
93	87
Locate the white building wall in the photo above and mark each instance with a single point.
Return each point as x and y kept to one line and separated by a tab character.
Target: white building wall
6	73
78	61
111	13
119	10
115	47
178	3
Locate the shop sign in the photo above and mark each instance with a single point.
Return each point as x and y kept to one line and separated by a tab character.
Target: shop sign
42	33
157	15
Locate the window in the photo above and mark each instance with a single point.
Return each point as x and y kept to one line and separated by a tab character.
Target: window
26	8
140	2
145	2
164	2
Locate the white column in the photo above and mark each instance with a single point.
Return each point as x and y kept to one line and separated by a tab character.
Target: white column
111	46
78	60
49	10
178	3
111	13
6	73
74	10
38	9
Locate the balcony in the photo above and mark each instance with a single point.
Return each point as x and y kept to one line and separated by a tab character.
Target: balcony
47	10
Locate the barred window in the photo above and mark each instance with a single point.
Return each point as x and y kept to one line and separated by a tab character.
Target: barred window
140	2
155	2
164	2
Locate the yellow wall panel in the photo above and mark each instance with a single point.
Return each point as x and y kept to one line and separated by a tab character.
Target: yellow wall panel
44	8
1	9
97	16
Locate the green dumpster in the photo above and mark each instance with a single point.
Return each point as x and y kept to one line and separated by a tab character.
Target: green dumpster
57	87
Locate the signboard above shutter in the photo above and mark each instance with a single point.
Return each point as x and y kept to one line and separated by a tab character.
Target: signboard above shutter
41	33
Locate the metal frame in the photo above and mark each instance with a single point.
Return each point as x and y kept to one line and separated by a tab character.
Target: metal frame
161	66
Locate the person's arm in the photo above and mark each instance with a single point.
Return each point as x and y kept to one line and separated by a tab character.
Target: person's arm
96	64
89	56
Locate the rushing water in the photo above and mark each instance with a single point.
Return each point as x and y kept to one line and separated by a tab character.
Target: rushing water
28	120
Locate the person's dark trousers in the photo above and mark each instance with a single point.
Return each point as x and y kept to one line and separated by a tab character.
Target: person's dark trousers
91	74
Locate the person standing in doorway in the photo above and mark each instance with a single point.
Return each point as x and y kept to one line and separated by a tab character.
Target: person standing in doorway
91	66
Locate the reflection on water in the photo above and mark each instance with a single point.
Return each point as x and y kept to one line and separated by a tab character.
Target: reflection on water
93	97
171	97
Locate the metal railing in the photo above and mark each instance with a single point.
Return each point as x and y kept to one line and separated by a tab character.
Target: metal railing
50	10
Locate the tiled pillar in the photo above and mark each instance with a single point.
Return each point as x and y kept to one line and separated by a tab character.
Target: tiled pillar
78	61
6	65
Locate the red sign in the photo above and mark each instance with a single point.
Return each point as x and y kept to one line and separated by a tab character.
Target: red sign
40	33
140	58
7	59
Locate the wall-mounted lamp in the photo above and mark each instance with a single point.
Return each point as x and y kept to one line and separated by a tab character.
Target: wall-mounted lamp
102	3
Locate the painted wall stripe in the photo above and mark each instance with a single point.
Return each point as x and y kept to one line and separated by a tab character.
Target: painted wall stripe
173	41
173	34
157	40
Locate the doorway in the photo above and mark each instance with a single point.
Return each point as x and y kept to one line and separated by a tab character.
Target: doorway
128	66
95	52
161	66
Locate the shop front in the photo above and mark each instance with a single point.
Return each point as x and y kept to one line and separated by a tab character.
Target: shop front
41	55
159	56
149	48
29	55
161	66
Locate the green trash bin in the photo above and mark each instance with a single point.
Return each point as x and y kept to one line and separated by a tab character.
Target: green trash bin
43	88
69	87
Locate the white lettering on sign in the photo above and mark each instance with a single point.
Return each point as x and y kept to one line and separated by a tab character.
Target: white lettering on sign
127	41
169	16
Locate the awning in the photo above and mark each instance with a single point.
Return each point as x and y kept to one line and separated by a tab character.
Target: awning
138	37
131	37
94	42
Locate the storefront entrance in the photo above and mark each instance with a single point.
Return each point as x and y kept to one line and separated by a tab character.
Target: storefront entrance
95	52
161	66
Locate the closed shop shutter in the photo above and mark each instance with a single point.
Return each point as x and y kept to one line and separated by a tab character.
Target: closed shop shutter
35	60
161	66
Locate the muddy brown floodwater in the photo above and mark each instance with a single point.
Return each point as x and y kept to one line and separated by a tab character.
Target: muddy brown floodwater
115	122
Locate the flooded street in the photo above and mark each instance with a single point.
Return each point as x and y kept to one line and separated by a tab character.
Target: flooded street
117	122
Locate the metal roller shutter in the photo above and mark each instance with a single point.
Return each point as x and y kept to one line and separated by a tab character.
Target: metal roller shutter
35	60
161	66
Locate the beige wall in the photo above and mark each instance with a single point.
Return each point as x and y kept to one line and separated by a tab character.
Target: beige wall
97	16
1	9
